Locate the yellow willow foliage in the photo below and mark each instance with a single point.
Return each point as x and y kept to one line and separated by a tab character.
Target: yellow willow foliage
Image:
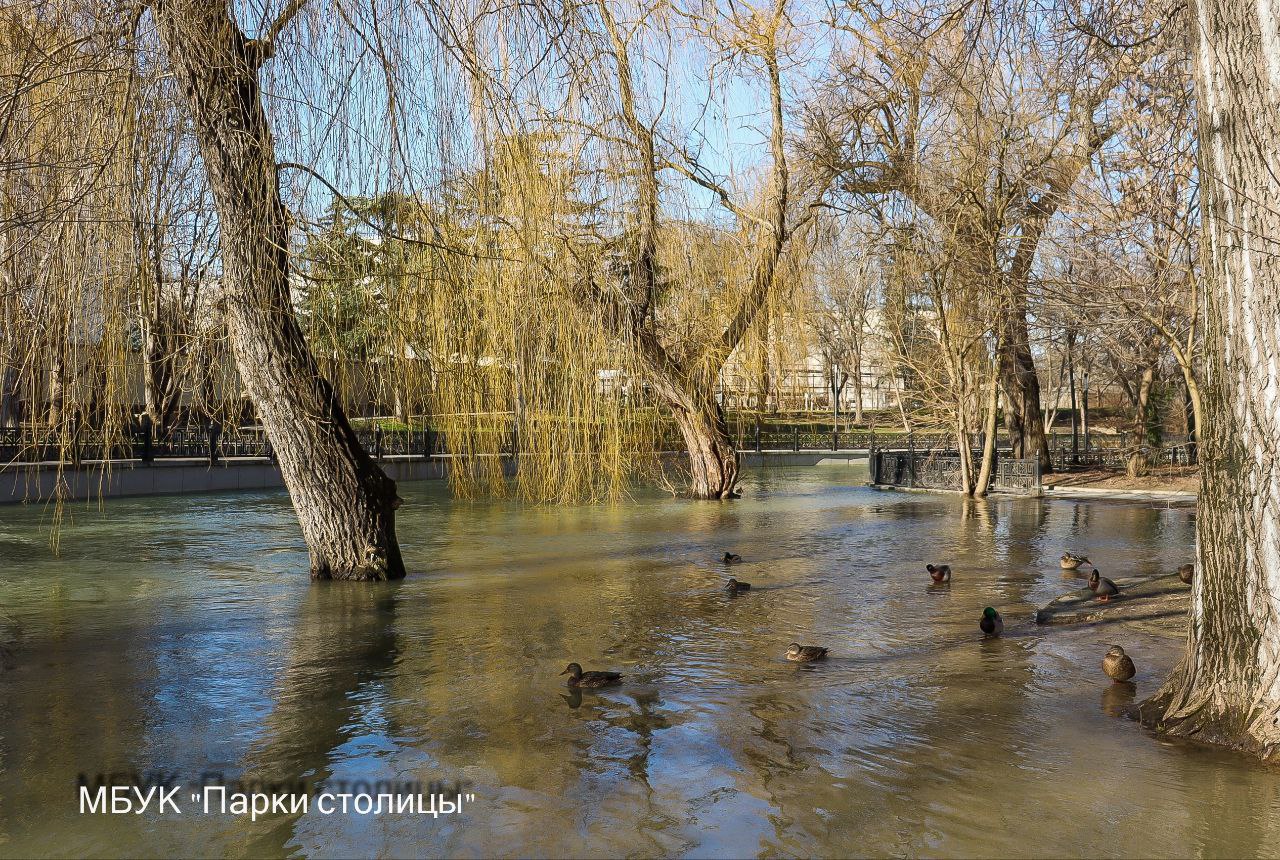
67	270
486	334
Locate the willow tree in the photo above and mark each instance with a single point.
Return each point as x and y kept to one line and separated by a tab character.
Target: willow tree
1226	690
677	295
64	272
685	371
344	502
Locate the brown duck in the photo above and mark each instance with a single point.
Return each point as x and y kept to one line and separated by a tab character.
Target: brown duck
732	558
579	679
735	587
1117	664
939	573
798	653
1072	561
1186	573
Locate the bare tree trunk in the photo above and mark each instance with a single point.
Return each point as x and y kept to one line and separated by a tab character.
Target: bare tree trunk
9	397
345	504
1025	418
713	458
1138	463
962	446
161	383
57	387
983	484
857	385
1227	688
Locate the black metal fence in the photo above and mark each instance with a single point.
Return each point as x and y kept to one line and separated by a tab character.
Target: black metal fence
212	442
762	436
940	470
1114	453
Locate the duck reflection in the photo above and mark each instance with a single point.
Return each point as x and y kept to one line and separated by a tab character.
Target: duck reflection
1118	697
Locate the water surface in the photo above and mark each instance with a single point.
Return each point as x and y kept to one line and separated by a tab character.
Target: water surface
181	634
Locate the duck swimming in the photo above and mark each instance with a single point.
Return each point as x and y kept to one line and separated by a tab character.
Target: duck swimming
1186	573
991	624
1072	561
732	558
939	573
734	587
579	679
1104	588
798	653
1117	664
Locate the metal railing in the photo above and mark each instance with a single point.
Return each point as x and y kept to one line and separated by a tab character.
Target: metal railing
211	442
1116	452
940	470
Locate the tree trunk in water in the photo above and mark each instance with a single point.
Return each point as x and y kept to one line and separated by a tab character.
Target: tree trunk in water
983	483
966	454
1227	688
1025	418
344	502
713	459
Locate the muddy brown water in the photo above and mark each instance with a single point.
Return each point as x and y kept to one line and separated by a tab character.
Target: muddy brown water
180	635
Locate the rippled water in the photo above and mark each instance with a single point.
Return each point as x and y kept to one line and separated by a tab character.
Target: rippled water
181	634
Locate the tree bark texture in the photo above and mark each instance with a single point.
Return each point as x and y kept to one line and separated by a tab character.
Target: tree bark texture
344	502
1227	688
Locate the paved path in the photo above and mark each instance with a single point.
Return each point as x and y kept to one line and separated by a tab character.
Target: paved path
1157	604
1171	497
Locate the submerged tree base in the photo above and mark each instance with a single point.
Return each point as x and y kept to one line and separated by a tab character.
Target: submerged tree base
1214	716
373	572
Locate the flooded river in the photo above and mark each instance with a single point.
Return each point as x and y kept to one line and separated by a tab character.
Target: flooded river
181	635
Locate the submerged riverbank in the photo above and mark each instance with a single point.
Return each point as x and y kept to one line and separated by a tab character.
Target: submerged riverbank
182	634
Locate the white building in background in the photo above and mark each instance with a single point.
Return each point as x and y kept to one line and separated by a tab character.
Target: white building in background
804	382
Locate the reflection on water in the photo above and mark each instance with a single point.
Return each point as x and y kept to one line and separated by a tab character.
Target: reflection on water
181	635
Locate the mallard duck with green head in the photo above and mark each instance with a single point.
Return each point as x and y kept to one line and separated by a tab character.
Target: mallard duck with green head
581	680
991	624
798	653
1103	588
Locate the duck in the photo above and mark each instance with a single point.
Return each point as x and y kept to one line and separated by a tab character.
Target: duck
798	653
579	679
732	558
734	587
939	573
991	624
1071	561
1117	664
1104	588
1186	573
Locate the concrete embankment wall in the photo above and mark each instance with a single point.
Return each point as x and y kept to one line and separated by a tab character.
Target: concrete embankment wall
44	482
